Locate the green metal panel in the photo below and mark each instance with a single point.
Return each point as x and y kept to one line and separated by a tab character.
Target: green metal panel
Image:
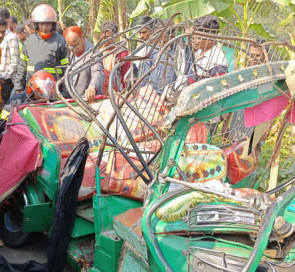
107	252
138	243
49	174
26	113
132	262
289	216
82	227
108	244
106	207
38	217
32	194
47	177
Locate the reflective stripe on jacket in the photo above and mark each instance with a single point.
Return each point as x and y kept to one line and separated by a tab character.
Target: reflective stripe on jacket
39	54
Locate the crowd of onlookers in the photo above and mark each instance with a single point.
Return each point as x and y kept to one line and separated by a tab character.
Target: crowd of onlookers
41	43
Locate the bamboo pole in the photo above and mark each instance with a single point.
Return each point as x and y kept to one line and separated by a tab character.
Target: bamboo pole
274	173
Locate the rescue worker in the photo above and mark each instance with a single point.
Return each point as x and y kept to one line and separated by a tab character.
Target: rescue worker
41	88
43	50
89	82
20	32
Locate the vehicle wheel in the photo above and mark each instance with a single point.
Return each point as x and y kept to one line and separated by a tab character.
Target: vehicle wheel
11	228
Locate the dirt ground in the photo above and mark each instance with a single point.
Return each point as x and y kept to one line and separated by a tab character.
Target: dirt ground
35	251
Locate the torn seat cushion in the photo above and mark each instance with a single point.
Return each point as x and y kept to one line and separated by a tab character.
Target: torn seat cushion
121	179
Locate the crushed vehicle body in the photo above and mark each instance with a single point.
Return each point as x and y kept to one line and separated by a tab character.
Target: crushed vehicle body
170	182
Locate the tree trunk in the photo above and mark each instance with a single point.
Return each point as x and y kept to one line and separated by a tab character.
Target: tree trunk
60	9
25	12
122	9
94	6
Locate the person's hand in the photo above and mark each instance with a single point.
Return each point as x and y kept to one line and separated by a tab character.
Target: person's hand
90	93
18	91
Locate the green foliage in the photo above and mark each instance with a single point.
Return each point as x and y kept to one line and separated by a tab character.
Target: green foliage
76	13
142	7
286	166
259	30
190	8
105	13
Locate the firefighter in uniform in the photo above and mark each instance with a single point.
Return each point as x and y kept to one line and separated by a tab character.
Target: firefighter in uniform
43	50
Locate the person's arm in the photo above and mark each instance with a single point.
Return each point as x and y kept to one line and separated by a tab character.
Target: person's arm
97	77
14	55
63	61
125	67
20	80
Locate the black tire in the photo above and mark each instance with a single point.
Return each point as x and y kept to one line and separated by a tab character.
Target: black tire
11	227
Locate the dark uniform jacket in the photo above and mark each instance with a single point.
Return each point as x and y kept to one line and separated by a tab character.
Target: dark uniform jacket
39	54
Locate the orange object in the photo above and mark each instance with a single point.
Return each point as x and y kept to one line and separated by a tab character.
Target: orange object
42	84
121	178
238	168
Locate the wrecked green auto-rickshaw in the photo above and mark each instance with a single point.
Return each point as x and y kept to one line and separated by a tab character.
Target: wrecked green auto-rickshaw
170	180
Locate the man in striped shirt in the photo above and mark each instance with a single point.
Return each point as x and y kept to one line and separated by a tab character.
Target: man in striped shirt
9	56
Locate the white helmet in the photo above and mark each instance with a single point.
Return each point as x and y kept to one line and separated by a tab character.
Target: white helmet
44	13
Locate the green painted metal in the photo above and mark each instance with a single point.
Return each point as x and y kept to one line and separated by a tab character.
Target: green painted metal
32	194
47	178
264	233
107	251
138	243
26	113
108	244
97	181
82	227
38	217
109	240
131	261
106	207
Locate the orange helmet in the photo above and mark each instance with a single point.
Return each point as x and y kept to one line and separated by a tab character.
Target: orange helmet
42	84
44	13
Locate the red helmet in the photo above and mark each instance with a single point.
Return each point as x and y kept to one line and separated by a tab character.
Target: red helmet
42	84
44	13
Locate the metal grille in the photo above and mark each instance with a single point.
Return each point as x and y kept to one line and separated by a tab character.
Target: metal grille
159	70
223	216
208	260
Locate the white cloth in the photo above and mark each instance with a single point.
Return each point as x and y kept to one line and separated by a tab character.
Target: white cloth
209	59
